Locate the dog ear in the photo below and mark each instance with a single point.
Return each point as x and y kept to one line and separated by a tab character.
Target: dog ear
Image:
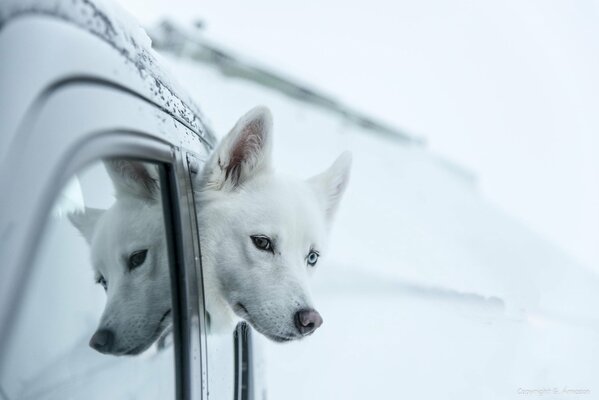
244	153
133	178
85	221
331	184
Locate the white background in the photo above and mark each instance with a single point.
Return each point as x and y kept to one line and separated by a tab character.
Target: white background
507	89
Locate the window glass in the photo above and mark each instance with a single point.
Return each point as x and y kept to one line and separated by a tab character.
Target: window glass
220	335
221	364
95	316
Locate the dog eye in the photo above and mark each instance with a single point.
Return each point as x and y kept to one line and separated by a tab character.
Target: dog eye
100	280
262	242
137	258
312	258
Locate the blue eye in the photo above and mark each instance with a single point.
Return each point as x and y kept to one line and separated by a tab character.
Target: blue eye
312	258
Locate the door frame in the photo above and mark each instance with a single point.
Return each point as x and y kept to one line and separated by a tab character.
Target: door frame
51	147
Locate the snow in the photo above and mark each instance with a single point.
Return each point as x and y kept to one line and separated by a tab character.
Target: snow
428	290
508	89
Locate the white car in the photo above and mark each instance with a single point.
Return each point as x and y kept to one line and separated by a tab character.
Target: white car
77	86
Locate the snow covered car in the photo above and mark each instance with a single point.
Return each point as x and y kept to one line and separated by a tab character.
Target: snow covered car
79	84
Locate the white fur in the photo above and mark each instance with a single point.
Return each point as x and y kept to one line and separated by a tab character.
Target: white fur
138	301
296	214
238	196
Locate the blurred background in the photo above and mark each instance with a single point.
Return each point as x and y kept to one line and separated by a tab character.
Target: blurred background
465	256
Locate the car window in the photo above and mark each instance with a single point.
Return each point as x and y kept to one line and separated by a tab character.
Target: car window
94	319
221	341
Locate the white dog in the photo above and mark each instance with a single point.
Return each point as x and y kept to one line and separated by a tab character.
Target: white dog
129	257
261	238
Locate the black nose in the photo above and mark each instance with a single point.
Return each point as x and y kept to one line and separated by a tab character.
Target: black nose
307	321
102	340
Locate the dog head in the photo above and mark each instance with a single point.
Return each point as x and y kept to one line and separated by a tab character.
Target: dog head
129	257
262	235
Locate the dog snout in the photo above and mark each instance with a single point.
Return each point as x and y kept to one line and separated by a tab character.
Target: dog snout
102	340
307	321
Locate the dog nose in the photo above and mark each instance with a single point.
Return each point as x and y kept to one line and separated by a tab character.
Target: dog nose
102	340
307	321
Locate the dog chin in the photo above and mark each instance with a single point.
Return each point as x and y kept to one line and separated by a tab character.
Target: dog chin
280	339
277	338
242	312
164	323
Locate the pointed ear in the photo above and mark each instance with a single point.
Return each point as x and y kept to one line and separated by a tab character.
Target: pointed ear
85	221
331	184
133	178
243	154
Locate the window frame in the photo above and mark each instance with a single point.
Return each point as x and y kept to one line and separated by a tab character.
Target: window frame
243	386
145	145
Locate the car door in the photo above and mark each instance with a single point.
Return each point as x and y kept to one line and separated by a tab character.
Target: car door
50	306
76	128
